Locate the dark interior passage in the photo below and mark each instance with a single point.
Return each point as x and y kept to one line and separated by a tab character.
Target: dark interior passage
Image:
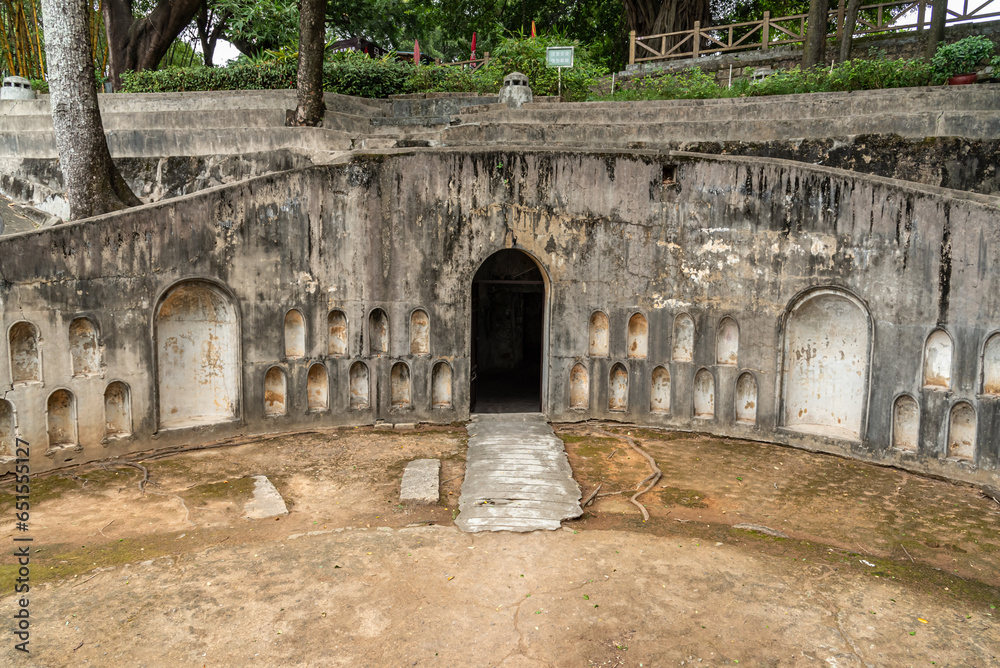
508	308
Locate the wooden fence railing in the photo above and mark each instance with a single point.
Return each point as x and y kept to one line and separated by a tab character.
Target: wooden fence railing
474	63
898	16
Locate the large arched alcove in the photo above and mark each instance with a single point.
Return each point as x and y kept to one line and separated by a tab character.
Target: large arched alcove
508	314
825	365
197	337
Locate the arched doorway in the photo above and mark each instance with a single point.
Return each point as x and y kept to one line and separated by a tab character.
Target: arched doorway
508	315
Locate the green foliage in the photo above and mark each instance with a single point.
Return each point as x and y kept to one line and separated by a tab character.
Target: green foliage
40	85
352	73
859	74
961	57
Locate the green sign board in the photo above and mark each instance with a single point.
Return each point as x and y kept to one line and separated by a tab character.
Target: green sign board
559	56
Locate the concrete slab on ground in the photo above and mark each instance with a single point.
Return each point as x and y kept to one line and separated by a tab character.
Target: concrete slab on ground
517	476
420	481
266	502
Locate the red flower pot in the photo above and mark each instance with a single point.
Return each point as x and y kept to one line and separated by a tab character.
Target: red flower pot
962	79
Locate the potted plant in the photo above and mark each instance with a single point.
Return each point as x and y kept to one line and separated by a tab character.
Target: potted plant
957	62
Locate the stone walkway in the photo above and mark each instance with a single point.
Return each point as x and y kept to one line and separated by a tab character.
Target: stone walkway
517	476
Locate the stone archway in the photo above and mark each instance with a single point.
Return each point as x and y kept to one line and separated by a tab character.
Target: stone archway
508	338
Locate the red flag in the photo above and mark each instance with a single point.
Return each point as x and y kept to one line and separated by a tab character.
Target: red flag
416	52
473	46
532	28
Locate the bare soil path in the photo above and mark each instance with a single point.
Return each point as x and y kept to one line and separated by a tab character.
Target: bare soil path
880	568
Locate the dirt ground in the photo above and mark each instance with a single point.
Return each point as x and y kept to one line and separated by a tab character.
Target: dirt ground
879	567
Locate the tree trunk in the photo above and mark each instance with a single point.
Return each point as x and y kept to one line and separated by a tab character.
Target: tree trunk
136	44
816	27
939	16
210	28
312	42
655	17
847	36
92	181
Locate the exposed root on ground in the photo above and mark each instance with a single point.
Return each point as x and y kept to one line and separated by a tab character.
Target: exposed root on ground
651	479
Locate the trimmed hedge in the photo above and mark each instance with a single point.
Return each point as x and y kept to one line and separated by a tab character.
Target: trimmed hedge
357	74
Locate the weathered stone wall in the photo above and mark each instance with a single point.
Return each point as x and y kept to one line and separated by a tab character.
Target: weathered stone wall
830	281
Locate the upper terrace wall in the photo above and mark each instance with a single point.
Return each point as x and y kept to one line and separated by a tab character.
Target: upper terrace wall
775	301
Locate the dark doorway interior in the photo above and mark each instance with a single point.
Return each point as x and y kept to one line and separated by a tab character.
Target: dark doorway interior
508	310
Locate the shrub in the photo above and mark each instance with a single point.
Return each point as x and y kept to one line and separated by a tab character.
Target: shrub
961	57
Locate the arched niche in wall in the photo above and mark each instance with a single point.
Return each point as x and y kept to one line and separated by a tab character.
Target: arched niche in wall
336	323
683	349
197	356
420	333
84	350
659	395
275	392
579	387
962	431
318	387
359	386
117	410
295	335
600	331
937	360
618	389
441	385
399	385
746	399
826	357
727	342
704	394
905	423
991	366
25	357
8	429
378	332
61	419
638	336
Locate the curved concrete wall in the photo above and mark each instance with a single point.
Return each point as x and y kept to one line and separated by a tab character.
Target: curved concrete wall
820	280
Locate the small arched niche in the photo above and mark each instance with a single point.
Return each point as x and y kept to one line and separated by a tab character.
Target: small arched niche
727	343
704	394
83	347
336	323
991	366
117	410
275	392
638	336
318	388
683	350
937	360
360	396
579	387
441	385
378	332
8	429
659	395
618	390
905	423
61	414
600	329
25	361
420	333
746	399
399	385
962	432
295	335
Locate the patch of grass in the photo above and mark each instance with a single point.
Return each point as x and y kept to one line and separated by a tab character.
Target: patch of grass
238	489
689	498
